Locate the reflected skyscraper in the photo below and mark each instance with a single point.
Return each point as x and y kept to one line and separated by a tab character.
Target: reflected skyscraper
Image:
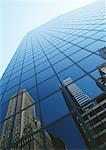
21	125
88	115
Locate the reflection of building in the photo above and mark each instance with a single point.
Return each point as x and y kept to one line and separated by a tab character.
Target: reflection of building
88	115
102	52
21	126
95	118
76	92
101	82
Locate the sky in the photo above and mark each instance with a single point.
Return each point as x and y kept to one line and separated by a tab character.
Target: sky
19	17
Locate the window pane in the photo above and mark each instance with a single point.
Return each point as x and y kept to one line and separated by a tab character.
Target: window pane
48	87
53	108
91	62
79	55
91	89
62	65
45	74
74	72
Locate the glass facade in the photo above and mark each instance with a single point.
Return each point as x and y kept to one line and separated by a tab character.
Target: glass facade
67	46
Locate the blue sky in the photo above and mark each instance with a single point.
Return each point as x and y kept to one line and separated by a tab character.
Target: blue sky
19	17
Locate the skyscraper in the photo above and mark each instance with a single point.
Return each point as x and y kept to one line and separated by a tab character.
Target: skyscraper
21	125
89	115
67	46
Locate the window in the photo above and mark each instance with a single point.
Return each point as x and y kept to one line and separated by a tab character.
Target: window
12	83
57	58
27	84
33	93
42	66
95	46
39	61
86	42
27	74
79	55
48	87
91	62
53	108
62	65
45	74
74	72
89	87
71	50
26	68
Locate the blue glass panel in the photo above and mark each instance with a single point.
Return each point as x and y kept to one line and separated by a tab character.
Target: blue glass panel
104	38
36	57
86	42
57	58
53	108
28	63
96	74
4	81
79	39
33	93
95	46
37	110
3	111
26	68
79	55
62	129
74	72
71	50
98	35
16	69
91	89
12	83
91	62
43	66
50	50
2	88
66	46
48	87
39	61
89	33
14	75
45	74
10	93
27	84
62	65
27	74
54	53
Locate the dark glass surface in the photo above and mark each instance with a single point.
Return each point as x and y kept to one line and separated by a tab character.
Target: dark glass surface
48	87
62	65
74	72
92	90
45	74
55	102
91	62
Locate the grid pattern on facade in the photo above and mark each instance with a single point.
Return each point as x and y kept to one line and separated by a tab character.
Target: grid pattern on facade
53	52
